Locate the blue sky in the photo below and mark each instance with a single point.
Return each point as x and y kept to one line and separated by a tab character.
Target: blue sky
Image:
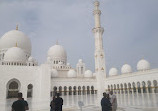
131	28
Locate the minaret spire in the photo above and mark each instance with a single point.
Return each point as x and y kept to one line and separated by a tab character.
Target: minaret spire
98	32
97	14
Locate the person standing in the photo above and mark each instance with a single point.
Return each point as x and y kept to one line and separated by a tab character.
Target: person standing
113	100
58	103
105	103
52	104
18	105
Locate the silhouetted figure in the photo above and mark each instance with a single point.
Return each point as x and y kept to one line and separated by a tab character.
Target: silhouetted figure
58	103
26	104
52	104
113	100
18	105
105	103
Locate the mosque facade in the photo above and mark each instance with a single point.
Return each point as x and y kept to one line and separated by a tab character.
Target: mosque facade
20	72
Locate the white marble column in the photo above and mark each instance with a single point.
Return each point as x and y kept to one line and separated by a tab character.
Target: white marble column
67	98
24	91
143	102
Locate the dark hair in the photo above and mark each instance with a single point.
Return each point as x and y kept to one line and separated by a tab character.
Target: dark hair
19	95
104	93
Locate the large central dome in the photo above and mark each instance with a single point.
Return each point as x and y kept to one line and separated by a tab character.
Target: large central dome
12	37
57	52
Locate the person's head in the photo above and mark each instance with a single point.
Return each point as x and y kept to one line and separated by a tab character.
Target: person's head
58	94
19	95
104	94
107	95
111	92
53	97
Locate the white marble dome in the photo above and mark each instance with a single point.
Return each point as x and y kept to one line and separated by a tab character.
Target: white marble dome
57	52
80	60
126	68
113	72
72	73
31	59
54	73
88	73
143	65
15	54
9	40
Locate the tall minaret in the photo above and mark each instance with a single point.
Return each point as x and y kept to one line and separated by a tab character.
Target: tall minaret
99	53
98	32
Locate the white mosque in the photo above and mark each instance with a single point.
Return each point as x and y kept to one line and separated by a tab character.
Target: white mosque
20	72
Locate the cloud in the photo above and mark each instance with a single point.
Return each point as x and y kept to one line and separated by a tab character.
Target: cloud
130	28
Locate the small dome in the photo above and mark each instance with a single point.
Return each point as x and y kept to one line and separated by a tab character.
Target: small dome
68	64
54	73
9	40
80	60
88	73
113	72
126	69
57	52
31	59
15	54
143	65
72	73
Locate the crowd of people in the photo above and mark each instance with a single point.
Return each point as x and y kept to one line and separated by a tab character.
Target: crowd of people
109	102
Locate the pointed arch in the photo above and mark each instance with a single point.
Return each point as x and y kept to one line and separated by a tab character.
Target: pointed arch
29	91
13	87
79	90
65	90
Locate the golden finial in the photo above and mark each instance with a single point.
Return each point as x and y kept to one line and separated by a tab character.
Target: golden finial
102	68
17	27
142	56
16	44
57	42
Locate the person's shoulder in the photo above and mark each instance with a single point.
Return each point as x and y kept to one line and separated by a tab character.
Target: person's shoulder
15	102
103	99
60	98
25	102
